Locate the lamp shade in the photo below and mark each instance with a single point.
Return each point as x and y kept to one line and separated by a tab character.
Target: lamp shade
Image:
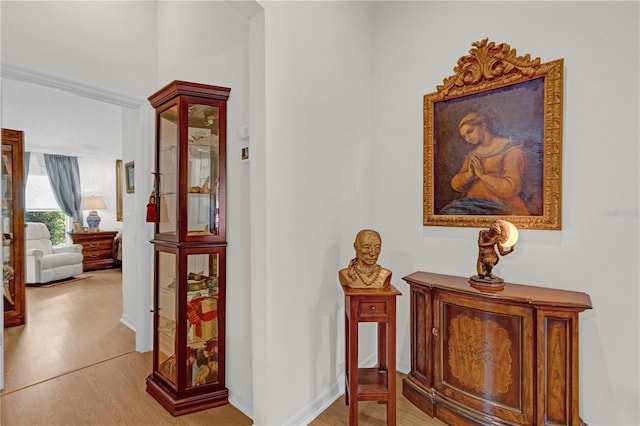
509	233
93	203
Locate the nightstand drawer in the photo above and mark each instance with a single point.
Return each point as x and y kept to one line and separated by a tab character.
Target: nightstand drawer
97	254
96	245
372	310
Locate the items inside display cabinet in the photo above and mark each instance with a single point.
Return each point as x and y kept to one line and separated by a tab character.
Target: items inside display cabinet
202	319
203	170
202	289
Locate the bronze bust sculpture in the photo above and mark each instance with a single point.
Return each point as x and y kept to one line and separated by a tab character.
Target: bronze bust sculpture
363	270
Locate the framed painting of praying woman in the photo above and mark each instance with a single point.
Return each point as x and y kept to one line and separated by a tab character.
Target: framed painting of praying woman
493	142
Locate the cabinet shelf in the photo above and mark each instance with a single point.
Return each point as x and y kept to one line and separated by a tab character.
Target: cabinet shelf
372	384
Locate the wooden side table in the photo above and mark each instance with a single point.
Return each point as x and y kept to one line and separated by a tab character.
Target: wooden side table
377	383
97	249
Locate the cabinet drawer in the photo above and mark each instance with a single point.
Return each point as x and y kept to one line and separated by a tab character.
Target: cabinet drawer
97	254
372	310
96	245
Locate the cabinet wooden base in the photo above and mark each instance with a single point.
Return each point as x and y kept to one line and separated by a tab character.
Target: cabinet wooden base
447	410
178	405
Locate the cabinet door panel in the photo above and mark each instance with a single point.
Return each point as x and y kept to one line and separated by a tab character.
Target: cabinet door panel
203	178
557	346
484	355
167	178
13	251
203	292
422	336
166	331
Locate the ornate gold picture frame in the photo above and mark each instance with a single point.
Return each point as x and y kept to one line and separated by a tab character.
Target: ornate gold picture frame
119	190
493	141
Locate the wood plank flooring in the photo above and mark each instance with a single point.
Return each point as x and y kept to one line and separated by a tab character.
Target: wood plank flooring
74	364
69	326
374	414
108	393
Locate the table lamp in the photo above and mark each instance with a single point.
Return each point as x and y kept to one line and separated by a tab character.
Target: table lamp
92	204
502	235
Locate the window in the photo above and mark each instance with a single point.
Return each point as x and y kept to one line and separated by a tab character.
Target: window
55	221
40	204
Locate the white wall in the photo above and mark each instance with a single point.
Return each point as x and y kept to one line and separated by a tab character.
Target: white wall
98	177
319	183
417	46
58	122
108	44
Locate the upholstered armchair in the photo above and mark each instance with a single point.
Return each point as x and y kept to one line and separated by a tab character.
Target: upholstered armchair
46	262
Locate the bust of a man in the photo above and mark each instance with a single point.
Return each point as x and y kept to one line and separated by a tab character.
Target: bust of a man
363	270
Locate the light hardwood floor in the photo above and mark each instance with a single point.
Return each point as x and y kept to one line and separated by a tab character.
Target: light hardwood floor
74	364
374	414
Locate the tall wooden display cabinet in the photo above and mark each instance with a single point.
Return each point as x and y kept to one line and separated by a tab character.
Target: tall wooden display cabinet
13	251
189	247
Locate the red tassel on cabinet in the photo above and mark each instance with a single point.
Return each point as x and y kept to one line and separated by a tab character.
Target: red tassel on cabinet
151	209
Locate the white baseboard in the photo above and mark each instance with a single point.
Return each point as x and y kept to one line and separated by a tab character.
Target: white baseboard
241	404
126	321
326	398
318	405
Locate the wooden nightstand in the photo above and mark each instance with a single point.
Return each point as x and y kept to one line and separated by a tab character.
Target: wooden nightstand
97	249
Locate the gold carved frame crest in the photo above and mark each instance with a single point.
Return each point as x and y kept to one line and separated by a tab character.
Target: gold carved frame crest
523	99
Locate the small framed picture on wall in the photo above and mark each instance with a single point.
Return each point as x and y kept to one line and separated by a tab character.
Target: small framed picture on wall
129	174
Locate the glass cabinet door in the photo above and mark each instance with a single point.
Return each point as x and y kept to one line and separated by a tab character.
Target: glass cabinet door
166	315
168	171
203	177
12	224
203	319
8	282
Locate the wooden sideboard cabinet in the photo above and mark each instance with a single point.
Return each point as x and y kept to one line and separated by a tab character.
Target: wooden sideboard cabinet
97	249
507	357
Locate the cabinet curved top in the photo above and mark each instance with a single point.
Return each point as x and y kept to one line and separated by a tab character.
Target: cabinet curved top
527	294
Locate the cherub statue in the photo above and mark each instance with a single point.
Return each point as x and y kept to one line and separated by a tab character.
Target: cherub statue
501	234
363	270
